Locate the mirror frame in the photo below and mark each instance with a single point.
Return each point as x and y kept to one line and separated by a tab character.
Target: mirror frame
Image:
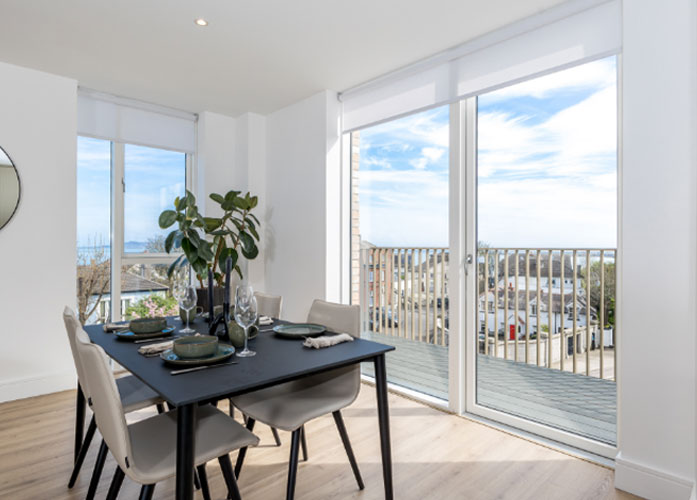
19	188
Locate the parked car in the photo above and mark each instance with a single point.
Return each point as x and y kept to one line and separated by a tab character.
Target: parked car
387	322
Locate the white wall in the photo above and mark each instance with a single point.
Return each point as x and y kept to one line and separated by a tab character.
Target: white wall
38	246
659	250
215	160
302	160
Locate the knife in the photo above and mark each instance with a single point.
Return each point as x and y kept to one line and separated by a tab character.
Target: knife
197	368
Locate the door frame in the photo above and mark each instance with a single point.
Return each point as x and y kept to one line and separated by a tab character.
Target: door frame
463	240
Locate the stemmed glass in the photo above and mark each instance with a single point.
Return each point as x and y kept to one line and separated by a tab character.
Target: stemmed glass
245	314
187	302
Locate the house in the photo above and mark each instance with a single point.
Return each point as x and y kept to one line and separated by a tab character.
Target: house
112	111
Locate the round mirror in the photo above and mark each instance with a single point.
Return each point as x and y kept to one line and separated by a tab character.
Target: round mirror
9	188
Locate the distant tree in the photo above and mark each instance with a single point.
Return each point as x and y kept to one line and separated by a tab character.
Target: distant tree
609	290
155	245
93	267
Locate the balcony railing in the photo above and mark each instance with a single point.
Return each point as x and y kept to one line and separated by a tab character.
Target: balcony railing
550	307
404	292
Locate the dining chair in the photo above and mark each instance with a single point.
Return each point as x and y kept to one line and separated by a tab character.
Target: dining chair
289	406
145	451
269	305
133	393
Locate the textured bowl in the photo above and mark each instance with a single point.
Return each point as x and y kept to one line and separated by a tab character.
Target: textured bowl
195	346
147	325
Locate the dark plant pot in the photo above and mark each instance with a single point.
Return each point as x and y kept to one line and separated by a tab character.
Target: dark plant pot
202	300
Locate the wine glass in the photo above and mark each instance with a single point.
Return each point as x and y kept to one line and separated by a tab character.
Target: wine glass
188	302
245	314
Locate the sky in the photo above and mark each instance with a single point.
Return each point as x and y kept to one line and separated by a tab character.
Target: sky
546	167
153	177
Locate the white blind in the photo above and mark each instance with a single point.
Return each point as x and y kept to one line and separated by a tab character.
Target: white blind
121	120
569	34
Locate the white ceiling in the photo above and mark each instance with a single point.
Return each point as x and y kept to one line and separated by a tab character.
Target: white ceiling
256	55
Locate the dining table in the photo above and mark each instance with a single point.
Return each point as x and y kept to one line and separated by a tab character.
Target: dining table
277	360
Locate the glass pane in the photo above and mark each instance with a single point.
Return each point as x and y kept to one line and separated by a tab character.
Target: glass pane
93	229
400	253
547	225
146	292
153	178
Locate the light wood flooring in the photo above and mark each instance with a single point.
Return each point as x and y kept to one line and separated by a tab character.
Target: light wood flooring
436	456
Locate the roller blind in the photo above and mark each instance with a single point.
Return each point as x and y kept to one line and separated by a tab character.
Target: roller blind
572	33
121	120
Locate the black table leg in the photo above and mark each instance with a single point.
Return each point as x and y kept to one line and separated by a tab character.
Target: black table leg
384	422
186	425
79	420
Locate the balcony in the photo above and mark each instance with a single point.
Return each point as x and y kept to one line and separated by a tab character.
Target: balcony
546	337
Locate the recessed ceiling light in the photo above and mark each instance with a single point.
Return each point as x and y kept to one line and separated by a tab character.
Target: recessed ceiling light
201	22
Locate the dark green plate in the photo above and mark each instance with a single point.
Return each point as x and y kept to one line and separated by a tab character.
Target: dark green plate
224	352
129	335
299	330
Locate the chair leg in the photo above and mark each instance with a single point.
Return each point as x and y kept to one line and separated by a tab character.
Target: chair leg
303	443
339	420
160	408
226	468
197	483
146	492
293	463
276	437
232	407
97	473
83	452
201	469
115	484
243	451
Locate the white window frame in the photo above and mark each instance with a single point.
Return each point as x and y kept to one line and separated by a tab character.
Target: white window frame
118	256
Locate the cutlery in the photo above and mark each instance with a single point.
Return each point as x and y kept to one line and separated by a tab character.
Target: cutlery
264	330
197	368
143	341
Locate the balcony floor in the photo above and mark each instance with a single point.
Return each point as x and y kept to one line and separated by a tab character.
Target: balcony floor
575	403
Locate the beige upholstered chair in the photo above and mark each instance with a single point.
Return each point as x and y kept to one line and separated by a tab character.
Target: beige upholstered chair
145	450
268	305
289	406
134	395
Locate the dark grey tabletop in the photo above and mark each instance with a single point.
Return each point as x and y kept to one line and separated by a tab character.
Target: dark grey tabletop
277	360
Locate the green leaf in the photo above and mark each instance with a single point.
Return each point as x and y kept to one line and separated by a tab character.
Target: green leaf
174	265
169	240
217	198
190	199
239	272
254	202
167	218
205	252
212	223
249	247
252	230
255	218
194	238
241	203
189	249
220	232
227	205
231	252
231	195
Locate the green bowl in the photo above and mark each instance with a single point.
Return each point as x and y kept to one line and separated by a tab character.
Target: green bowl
195	346
148	325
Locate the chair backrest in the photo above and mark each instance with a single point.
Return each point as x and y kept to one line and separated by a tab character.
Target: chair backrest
269	305
103	393
76	335
106	402
339	318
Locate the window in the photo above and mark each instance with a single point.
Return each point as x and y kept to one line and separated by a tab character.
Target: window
118	227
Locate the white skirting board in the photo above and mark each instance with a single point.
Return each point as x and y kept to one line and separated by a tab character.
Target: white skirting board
46	383
651	483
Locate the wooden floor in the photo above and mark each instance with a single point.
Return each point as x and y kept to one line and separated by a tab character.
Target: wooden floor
436	456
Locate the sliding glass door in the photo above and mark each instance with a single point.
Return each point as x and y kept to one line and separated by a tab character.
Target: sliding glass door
542	244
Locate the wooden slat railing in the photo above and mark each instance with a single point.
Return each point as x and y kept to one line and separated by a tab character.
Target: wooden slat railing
556	317
404	292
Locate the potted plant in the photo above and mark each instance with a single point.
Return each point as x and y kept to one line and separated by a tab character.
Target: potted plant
207	242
